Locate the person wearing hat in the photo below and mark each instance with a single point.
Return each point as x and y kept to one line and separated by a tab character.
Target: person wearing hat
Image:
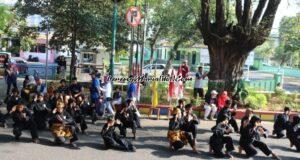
41	111
63	125
220	137
112	140
210	105
281	123
190	122
76	112
178	138
23	120
250	138
62	88
75	88
293	132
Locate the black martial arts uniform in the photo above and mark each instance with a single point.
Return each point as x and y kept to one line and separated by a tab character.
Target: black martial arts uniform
41	114
250	139
78	116
65	120
24	121
280	125
190	125
293	132
219	138
127	119
113	140
225	112
177	137
11	101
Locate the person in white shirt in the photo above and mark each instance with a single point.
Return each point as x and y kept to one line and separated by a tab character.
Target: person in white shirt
107	90
198	86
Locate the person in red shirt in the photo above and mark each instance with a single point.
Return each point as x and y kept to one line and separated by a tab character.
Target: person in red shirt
184	70
222	100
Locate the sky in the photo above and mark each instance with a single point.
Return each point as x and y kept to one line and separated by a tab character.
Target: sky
286	8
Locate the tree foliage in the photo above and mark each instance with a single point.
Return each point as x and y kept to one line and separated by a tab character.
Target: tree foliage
288	50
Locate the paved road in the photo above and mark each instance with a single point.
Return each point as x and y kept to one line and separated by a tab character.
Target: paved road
151	144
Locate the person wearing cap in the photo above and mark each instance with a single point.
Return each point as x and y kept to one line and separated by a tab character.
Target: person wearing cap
210	105
112	140
23	120
293	132
178	138
190	122
250	139
75	88
41	112
75	111
62	88
230	114
63	125
220	137
281	123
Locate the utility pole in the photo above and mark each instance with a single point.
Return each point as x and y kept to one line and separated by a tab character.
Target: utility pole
144	37
113	52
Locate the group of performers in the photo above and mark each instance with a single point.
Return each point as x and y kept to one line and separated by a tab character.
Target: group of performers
64	109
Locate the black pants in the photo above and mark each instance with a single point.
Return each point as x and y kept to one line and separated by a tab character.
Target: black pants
41	120
9	83
192	128
28	125
251	151
127	124
198	91
80	119
137	120
217	143
234	124
279	132
117	142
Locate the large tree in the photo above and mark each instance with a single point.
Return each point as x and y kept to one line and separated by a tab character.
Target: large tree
229	43
77	22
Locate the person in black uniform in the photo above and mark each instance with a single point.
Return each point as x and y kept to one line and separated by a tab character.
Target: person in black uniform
63	125
281	122
75	88
181	105
13	99
220	137
23	120
126	117
41	112
178	138
244	123
190	122
250	138
112	139
293	132
63	88
85	107
75	111
225	112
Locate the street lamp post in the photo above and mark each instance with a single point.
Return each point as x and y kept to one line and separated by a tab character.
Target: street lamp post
114	32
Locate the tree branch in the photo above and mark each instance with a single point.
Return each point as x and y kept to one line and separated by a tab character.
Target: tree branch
247	13
258	12
239	11
220	19
269	15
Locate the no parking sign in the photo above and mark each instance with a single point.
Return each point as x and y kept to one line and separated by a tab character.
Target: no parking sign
133	16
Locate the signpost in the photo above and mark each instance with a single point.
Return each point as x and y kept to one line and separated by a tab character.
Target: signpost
133	16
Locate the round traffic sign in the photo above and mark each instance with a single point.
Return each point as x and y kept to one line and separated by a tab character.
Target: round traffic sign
133	16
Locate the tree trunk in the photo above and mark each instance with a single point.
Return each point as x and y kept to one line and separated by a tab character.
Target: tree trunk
73	57
151	52
226	67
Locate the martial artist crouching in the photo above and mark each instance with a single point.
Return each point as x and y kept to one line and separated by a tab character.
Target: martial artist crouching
63	125
22	121
112	139
178	138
